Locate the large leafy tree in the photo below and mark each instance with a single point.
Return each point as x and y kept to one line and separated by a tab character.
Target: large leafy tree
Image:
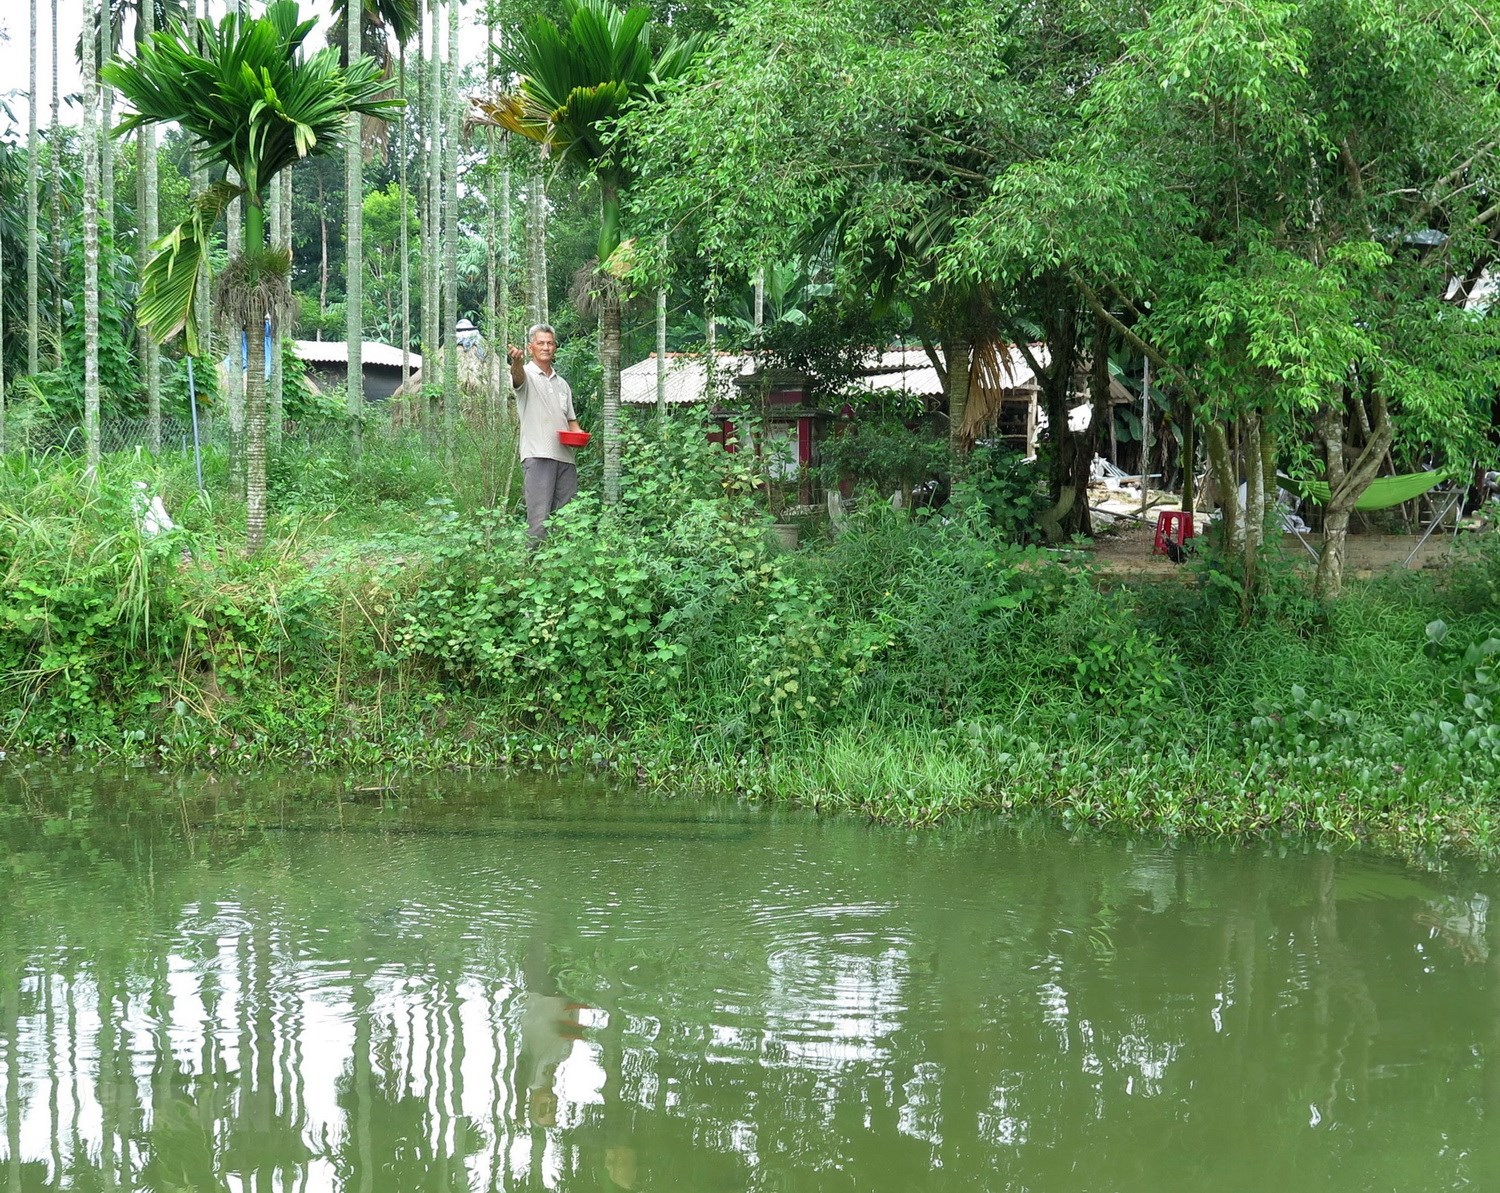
256	104
1270	200
866	131
576	80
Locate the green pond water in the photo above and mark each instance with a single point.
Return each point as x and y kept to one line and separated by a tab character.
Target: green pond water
210	983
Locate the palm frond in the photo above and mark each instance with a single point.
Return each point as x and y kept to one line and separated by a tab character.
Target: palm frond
169	285
243	88
576	79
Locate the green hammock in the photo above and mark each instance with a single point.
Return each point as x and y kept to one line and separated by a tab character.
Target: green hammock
1383	492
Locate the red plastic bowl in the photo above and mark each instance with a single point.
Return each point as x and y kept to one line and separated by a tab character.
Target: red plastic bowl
573	438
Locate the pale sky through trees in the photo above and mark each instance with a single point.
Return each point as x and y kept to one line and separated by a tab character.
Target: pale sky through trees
15	66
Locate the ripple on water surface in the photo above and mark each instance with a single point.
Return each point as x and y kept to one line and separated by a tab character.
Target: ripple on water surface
208	987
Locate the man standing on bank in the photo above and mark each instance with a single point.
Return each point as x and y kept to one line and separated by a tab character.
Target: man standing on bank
544	405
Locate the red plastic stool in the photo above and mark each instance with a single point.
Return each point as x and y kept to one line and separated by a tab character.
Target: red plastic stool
1173	529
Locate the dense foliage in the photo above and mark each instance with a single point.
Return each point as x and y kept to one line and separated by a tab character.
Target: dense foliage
913	665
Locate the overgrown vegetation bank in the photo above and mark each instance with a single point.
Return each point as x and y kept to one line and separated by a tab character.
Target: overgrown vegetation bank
908	669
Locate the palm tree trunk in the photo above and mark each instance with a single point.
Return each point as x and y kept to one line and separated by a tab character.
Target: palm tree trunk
276	416
106	142
405	190
661	342
323	267
255	434
354	256
424	195
90	250
537	243
255	391
238	373
502	315
54	139
960	355
148	192
495	336
431	299
279	237
609	346
211	340
450	245
33	181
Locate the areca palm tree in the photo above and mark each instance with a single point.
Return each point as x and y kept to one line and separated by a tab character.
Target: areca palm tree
367	35
256	104
575	81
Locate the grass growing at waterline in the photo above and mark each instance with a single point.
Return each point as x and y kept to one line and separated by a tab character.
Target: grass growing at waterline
908	670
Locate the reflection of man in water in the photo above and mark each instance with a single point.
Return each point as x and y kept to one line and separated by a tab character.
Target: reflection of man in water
549	1027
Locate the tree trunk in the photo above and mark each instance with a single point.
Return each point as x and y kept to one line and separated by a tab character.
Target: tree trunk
609	364
90	250
496	336
106	142
1226	482
609	349
1084	444
211	340
1189	461
960	354
405	191
354	255
255	434
1252	443
454	123
437	120
424	191
276	398
254	332
323	264
234	402
33	187
432	318
536	243
1346	483
148	189
55	141
502	313
1061	327
661	340
276	415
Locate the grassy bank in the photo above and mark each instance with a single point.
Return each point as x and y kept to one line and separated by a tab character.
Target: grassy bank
907	669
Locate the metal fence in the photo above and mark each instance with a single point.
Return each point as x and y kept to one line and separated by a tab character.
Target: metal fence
125	435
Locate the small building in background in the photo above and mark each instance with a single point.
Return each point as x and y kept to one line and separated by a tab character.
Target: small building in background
327	363
794	424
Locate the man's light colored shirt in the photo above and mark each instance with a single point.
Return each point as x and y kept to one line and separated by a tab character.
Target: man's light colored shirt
545	406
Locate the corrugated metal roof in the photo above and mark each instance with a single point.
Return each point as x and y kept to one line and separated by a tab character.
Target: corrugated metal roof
909	370
906	370
686	377
331	352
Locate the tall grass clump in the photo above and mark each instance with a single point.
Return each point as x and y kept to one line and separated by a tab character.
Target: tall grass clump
114	631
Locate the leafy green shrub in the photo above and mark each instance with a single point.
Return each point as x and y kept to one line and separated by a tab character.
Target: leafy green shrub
886	456
1010	488
1468	718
